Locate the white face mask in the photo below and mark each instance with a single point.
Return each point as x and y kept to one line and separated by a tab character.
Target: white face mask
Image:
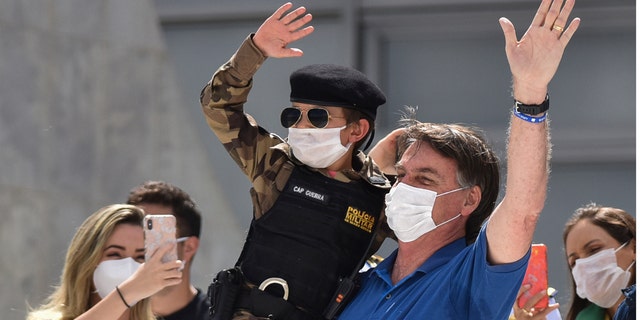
409	211
111	273
317	148
599	278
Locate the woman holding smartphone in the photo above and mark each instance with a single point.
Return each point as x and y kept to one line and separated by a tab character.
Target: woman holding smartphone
600	244
105	275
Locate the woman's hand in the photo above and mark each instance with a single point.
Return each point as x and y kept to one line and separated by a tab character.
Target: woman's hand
152	276
528	311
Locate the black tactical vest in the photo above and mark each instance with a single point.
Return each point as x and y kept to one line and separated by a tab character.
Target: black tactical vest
315	233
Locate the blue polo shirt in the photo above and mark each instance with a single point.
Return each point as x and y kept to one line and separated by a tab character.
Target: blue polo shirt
455	283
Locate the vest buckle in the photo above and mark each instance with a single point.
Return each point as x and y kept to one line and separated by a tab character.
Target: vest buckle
275	280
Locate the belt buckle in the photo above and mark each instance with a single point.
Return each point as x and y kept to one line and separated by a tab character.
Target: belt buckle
279	281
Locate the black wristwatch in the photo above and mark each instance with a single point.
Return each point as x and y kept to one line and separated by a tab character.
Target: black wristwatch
532	109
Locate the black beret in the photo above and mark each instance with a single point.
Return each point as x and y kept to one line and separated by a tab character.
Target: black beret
334	85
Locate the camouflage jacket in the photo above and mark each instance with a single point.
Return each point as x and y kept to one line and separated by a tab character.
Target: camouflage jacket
264	158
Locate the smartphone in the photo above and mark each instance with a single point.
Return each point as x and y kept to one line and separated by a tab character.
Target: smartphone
536	276
158	230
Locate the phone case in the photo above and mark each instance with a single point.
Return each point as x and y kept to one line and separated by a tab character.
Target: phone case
536	276
158	230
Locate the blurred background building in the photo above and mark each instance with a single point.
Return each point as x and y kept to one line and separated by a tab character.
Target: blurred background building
99	96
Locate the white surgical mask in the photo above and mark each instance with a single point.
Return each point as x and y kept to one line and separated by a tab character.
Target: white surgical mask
409	211
317	148
599	278
111	273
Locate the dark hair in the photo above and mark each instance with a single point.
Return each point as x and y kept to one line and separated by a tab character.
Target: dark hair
619	224
188	218
477	163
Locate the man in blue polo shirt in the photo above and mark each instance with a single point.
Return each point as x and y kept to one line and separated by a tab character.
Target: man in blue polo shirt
450	263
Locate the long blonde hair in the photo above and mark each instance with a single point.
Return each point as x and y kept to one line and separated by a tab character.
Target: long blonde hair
72	297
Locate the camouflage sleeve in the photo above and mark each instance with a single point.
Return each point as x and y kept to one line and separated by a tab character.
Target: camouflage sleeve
222	101
372	173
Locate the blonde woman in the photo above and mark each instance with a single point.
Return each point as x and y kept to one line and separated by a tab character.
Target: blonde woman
105	275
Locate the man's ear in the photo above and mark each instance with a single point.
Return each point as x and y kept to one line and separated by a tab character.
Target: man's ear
472	201
190	247
359	130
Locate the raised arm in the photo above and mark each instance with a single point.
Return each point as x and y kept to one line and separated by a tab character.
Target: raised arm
533	61
224	96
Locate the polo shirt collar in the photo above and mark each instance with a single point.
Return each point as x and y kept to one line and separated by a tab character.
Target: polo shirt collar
439	258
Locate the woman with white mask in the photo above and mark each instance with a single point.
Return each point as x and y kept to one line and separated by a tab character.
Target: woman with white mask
105	275
600	244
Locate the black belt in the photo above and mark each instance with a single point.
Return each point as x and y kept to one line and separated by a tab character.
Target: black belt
263	304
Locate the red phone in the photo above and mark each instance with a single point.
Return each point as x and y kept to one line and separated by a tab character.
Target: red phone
536	276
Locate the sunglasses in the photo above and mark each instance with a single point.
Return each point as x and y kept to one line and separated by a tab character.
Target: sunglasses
318	117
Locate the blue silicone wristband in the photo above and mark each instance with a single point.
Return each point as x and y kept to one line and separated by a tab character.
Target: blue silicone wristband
529	118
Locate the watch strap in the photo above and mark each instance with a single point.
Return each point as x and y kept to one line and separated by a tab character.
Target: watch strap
532	109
